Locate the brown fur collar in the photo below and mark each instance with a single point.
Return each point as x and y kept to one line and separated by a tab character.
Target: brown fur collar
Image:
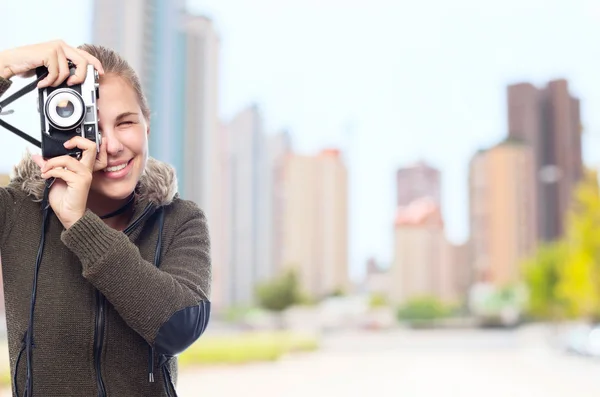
158	184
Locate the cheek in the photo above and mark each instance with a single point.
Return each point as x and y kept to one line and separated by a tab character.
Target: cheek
135	140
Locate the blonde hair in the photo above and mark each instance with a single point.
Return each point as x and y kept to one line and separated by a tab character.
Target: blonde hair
113	63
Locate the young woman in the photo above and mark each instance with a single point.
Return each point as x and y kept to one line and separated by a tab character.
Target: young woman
106	284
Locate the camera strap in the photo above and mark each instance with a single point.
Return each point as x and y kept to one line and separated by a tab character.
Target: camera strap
25	90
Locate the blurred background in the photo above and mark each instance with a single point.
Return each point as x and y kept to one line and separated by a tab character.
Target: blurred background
402	196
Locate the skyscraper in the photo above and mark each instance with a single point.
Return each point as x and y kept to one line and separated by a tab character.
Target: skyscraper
417	181
502	211
424	263
198	108
548	119
315	225
147	34
279	147
201	157
247	263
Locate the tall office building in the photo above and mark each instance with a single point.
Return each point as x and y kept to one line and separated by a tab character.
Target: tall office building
315	226
199	110
549	120
502	211
423	263
279	147
203	145
417	181
248	264
147	34
220	234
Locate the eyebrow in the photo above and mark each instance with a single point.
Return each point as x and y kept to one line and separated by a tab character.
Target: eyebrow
125	114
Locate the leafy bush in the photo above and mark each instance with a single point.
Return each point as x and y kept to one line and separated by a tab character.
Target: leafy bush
422	309
377	300
281	293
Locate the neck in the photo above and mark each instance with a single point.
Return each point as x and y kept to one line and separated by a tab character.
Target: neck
103	206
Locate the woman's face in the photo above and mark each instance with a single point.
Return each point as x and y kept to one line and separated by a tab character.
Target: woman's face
125	137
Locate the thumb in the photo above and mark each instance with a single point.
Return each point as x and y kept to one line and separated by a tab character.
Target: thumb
39	160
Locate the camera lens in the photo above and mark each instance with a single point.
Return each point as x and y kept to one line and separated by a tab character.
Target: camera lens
65	108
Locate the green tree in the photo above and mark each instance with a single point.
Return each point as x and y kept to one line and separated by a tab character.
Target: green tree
563	277
281	293
422	309
579	277
542	274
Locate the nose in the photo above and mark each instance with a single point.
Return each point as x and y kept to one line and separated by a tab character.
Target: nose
113	145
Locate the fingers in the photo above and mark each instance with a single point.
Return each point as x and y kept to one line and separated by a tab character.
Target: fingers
101	158
90	150
91	59
80	63
51	63
61	173
56	61
68	162
63	67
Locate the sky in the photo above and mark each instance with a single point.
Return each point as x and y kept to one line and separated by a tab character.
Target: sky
389	82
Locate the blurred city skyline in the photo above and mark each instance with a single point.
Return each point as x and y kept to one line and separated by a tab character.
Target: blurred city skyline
389	85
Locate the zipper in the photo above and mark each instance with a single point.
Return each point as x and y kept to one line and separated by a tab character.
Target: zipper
101	315
98	341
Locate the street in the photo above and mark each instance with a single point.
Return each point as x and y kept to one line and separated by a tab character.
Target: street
462	363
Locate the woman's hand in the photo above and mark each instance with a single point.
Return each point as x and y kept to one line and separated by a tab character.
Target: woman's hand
53	55
69	192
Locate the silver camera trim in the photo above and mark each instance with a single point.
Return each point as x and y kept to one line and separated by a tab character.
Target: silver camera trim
90	106
68	122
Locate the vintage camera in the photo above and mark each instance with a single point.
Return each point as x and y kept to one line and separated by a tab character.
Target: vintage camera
68	111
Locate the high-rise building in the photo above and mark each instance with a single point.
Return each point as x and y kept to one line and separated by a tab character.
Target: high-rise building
417	181
220	234
419	248
548	119
199	111
202	155
502	211
279	147
148	34
248	262
315	225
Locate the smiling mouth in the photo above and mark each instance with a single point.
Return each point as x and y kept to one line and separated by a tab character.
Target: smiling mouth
117	168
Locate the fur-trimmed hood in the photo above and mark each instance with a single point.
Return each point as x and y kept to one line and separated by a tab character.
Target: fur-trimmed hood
157	185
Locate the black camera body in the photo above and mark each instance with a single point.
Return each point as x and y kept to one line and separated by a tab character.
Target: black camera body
68	111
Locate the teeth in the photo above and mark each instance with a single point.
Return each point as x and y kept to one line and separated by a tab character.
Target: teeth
115	168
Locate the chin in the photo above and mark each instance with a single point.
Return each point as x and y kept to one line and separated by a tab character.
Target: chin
114	190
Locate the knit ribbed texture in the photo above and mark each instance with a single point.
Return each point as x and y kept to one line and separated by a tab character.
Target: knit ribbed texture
91	239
